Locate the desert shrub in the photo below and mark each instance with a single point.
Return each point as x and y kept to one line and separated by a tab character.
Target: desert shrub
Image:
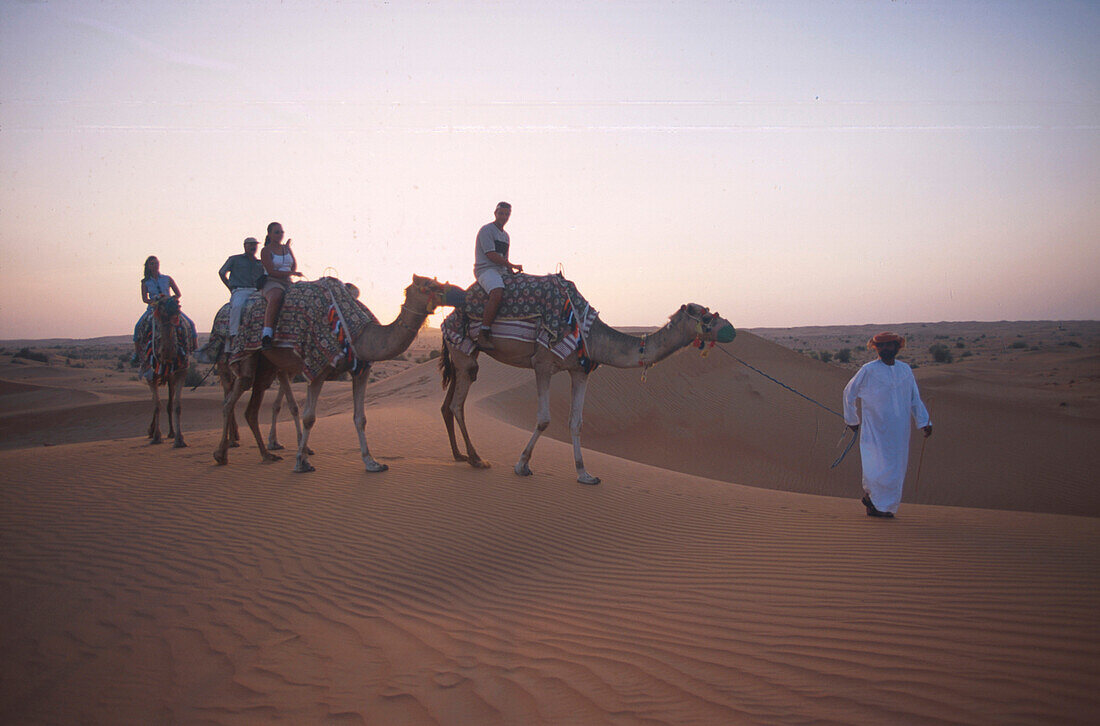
1019	344
435	354
959	343
966	354
32	355
826	356
940	353
1070	343
844	355
194	376
940	337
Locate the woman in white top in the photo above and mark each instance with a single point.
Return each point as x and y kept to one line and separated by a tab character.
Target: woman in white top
154	286
280	266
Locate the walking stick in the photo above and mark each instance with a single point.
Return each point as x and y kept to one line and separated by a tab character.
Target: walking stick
919	465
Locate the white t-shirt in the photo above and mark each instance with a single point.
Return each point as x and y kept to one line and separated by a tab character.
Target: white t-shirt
490	238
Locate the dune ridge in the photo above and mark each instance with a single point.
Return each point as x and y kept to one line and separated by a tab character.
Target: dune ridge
994	447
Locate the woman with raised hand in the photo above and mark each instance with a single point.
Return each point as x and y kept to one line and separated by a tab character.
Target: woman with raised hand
280	267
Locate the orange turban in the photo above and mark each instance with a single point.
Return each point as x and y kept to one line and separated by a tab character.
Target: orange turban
885	338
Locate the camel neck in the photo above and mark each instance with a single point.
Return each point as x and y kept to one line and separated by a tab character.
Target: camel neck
622	350
383	342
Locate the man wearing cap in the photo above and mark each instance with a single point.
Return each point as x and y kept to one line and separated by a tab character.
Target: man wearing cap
240	274
490	265
888	396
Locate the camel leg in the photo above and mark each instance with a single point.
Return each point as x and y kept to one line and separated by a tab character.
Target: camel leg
287	393
154	426
169	389
175	394
309	417
277	406
542	386
449	420
465	371
226	377
579	380
264	376
242	380
358	395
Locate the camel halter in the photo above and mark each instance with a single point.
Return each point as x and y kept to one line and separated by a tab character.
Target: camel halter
703	326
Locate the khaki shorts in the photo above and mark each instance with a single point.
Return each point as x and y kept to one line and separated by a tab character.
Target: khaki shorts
274	282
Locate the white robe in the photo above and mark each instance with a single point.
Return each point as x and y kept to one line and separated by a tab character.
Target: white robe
889	396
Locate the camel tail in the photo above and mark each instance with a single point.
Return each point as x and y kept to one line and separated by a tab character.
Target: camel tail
446	367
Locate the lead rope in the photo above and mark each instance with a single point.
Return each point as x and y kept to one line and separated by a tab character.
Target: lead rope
816	403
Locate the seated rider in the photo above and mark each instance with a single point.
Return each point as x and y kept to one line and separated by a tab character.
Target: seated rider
279	266
154	286
490	265
240	274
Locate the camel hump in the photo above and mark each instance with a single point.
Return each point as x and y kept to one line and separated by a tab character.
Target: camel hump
550	301
318	320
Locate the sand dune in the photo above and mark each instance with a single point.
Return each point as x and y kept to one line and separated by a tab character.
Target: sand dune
994	447
144	584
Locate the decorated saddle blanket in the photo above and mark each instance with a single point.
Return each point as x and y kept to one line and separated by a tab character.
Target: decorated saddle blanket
153	364
545	309
546	299
319	320
219	336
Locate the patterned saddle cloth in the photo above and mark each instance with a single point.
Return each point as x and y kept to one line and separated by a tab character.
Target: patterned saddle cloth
219	336
546	309
319	319
151	364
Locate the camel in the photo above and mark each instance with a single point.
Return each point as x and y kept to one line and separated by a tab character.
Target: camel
170	350
216	351
374	342
692	323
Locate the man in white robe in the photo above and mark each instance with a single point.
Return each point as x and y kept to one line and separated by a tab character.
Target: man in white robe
887	393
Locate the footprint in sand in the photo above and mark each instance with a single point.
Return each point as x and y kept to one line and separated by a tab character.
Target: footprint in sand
447	679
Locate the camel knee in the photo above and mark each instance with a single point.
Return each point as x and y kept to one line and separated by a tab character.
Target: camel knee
542	425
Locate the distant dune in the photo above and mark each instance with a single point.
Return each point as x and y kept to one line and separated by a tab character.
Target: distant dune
701	582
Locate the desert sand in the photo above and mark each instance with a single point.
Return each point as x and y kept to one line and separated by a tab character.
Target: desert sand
720	574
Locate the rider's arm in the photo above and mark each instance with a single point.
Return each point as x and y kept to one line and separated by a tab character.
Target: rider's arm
223	273
498	259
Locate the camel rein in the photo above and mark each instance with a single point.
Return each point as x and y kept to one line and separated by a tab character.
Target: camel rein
811	400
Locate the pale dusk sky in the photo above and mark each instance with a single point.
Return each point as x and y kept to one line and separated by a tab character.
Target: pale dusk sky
786	163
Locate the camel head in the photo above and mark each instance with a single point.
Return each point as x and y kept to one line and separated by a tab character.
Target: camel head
167	309
427	291
709	327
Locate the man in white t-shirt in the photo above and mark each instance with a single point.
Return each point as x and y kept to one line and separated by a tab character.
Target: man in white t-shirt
490	265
